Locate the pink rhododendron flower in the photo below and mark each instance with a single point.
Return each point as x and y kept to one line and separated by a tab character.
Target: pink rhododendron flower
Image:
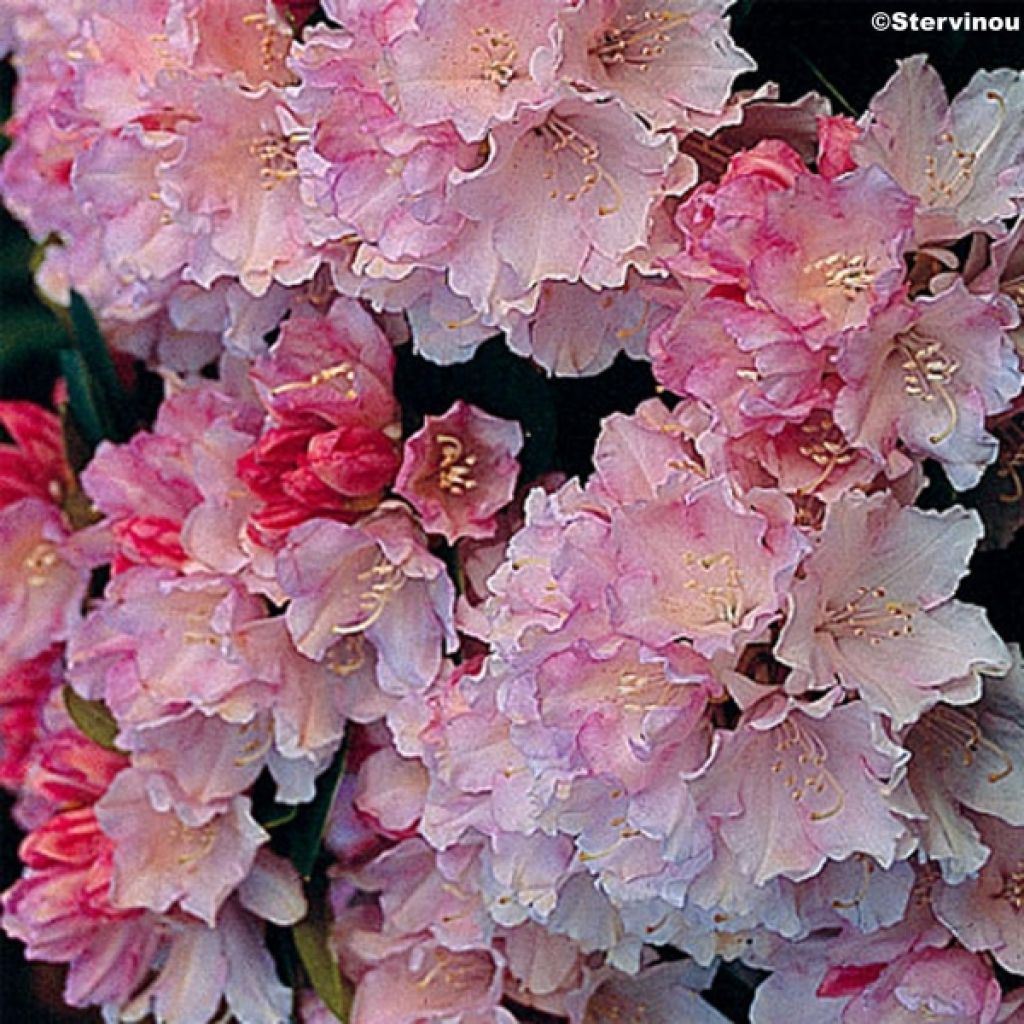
818	792
876	594
459	470
160	645
42	582
476	62
377	581
586	174
667	64
24	690
963	160
159	861
929	374
697	566
35	465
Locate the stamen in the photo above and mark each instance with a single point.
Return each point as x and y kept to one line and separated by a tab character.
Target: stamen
561	137
498	53
850	274
717	579
827	448
387	580
638	40
947	185
957	731
927	374
869	614
325	376
278	162
38	563
809	778
455	469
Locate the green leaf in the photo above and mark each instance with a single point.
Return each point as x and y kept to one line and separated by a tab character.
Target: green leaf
115	403
307	830
92	718
82	399
321	966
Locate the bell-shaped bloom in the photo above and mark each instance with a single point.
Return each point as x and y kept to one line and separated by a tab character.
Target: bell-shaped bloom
459	470
666	63
159	861
984	911
874	609
585	174
475	63
964	160
698	566
929	374
830	253
159	646
376	580
968	757
796	785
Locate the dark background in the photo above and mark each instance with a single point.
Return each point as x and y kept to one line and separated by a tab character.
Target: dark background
825	45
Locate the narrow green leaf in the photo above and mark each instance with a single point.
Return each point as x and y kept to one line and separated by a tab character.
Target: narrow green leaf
85	410
114	401
321	966
307	830
92	718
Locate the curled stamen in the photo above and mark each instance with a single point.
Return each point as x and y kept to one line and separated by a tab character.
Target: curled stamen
325	376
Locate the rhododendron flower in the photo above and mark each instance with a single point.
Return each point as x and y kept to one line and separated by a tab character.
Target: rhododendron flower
964	160
160	645
159	861
476	62
698	566
666	63
375	581
968	757
818	792
585	174
42	581
983	911
24	690
34	465
876	595
929	374
459	470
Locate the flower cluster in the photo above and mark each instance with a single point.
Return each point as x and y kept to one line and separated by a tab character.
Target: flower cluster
319	705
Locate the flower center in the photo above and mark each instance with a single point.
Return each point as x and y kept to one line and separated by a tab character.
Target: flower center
277	160
344	371
497	53
803	757
947	183
869	614
639	39
1013	888
38	563
927	373
562	139
382	580
826	448
716	579
455	468
275	39
956	731
850	275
